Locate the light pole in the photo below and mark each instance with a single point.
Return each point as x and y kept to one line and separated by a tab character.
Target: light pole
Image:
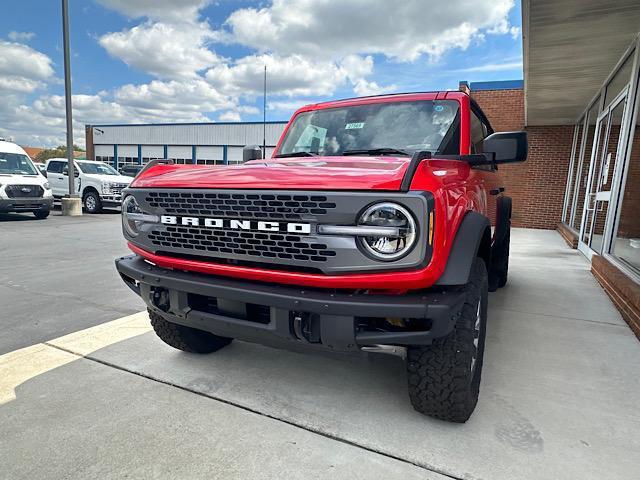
71	205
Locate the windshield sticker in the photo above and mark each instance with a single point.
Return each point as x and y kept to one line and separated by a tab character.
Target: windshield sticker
438	108
354	126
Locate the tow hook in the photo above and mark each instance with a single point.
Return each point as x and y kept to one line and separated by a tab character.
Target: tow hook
160	298
305	327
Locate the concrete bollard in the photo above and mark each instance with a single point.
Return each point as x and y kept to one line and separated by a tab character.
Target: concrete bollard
72	207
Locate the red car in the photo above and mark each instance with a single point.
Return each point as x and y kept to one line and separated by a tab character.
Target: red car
378	223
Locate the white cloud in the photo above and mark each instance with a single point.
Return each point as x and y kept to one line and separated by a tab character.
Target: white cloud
230	116
21	36
163	49
365	88
400	30
181	10
23	69
494	67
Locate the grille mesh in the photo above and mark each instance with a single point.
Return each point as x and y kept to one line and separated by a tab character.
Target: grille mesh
15	191
240	242
241	205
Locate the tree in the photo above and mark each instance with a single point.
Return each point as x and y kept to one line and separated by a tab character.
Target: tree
58	152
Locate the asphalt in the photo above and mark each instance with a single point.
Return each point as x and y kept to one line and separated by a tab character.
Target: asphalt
558	397
57	276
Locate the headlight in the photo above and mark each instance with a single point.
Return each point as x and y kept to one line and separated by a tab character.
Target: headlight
391	247
106	187
47	186
133	216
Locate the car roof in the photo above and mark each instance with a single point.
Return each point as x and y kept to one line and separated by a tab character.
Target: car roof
10	147
395	97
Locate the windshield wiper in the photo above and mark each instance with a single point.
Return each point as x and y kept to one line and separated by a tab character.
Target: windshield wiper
376	151
296	154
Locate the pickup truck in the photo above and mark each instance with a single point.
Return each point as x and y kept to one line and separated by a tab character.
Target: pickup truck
379	224
98	184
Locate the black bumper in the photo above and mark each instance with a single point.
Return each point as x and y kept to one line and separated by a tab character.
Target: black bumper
290	316
25	204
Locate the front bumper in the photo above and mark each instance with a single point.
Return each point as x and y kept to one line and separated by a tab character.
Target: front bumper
290	316
25	204
111	200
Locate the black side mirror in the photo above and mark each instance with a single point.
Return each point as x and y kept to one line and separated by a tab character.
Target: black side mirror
506	147
251	152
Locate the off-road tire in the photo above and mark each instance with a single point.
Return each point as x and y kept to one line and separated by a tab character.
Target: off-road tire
442	383
501	260
41	214
94	205
186	339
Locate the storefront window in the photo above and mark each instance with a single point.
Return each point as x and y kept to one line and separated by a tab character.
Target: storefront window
575	156
619	80
626	241
583	173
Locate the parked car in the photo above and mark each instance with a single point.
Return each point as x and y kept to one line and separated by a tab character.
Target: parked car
22	188
98	184
42	168
131	170
370	229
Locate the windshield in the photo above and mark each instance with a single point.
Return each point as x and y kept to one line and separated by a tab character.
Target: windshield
407	127
97	168
16	164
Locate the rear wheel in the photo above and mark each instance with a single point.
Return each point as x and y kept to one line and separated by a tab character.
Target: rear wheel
186	339
444	378
41	214
92	202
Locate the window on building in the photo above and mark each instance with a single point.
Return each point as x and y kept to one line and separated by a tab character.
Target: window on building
619	80
575	166
583	174
626	241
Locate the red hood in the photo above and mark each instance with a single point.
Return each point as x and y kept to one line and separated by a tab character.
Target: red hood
318	173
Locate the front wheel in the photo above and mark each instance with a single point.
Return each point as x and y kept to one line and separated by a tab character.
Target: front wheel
185	338
41	214
444	377
92	202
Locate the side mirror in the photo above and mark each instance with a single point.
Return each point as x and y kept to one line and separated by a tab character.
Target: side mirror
506	147
252	152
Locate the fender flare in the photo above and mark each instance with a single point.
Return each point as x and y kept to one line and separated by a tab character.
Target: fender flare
467	245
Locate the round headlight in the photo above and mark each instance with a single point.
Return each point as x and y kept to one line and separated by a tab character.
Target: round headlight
131	209
391	247
47	186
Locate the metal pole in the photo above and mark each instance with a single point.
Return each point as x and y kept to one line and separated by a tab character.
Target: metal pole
67	97
264	116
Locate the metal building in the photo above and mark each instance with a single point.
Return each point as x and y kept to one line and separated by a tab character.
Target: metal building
201	143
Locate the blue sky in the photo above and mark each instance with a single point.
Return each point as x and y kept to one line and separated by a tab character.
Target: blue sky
201	60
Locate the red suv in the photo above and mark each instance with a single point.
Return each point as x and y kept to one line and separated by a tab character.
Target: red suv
379	223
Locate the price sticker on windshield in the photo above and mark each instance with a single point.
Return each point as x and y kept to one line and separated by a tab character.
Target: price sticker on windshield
354	126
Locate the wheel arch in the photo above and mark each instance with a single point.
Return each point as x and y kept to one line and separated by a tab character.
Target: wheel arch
89	188
473	239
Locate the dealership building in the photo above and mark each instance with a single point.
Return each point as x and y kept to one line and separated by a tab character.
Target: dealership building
579	103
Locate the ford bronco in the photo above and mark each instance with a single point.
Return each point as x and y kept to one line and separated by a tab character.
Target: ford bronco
379	223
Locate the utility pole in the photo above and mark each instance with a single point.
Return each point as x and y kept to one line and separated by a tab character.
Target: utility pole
264	116
71	205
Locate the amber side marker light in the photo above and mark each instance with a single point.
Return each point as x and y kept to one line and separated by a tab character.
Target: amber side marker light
430	228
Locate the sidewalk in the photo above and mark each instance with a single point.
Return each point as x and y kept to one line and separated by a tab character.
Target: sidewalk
558	399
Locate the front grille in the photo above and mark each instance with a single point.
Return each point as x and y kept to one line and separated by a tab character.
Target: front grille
266	245
24	191
235	205
117	188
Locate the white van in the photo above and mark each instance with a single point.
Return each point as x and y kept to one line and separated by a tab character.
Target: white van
98	184
22	187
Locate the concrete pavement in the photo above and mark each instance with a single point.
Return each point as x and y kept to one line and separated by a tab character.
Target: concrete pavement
558	398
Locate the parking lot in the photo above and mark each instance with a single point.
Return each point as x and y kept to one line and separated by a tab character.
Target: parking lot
88	391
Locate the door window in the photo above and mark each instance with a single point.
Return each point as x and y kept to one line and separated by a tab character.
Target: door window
55	167
478	133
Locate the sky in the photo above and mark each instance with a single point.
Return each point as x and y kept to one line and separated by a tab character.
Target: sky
154	61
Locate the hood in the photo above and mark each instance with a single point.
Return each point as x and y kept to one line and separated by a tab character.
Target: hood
38	179
109	178
317	173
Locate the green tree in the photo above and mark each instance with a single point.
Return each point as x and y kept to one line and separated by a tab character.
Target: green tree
58	152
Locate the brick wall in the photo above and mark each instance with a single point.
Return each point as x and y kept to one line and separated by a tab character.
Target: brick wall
536	186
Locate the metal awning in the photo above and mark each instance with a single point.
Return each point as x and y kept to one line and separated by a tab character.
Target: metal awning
570	47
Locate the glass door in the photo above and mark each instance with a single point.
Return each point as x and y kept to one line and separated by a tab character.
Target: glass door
603	162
